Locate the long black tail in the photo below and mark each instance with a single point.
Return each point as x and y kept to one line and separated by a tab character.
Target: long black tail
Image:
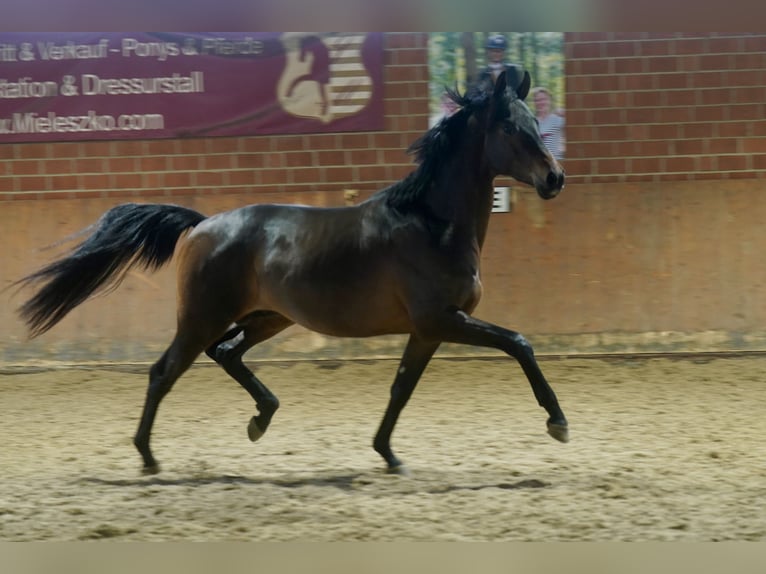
125	236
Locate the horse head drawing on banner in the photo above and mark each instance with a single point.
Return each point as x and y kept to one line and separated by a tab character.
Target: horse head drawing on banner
308	87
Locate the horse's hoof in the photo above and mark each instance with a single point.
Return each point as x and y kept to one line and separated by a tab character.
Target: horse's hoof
559	432
399	470
149	470
253	431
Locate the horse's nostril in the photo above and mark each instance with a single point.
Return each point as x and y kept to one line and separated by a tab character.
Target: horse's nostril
552	180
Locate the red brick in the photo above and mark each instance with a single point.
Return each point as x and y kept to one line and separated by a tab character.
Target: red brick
191	146
30	167
676	164
745	112
648	99
354	141
305	175
609	83
160	147
185	162
330	157
257	144
126	148
595	50
608	66
724	45
745	78
605	166
719	146
414	57
620	49
121	164
152	163
697	130
399	40
691	46
58	182
88	165
100	181
691	147
7	185
644	165
338	174
176	179
64	149
239	177
758	161
396	74
732	162
298	159
208	179
271	176
662	65
223	145
151	181
671	82
717	96
216	161
380	173
707	113
663	47
655	148
739	129
126	180
754	43
753	145
35	183
36	150
715	62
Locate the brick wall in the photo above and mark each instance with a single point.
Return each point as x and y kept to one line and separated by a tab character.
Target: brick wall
651	107
50	190
213	166
654	245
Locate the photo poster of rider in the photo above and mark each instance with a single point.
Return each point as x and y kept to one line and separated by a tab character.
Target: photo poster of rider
76	86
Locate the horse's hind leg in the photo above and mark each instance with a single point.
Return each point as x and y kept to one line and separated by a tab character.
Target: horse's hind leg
163	374
416	356
228	352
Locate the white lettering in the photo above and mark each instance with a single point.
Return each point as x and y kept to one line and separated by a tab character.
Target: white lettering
31	123
225	47
159	50
72	51
26	88
92	85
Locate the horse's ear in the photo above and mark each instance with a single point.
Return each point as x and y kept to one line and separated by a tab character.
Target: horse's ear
500	85
523	88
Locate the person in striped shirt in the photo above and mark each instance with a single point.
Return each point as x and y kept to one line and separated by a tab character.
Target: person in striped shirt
551	123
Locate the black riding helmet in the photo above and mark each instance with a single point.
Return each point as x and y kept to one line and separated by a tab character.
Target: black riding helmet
496	42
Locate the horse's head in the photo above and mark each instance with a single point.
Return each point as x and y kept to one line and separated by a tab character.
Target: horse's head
513	143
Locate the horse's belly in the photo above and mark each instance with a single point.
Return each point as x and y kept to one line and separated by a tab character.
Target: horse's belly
343	311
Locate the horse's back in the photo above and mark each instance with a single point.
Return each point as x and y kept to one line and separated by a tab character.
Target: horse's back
328	269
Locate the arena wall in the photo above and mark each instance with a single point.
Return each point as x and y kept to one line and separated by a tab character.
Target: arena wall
654	245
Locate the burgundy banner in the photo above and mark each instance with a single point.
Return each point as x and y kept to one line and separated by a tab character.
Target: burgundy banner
142	85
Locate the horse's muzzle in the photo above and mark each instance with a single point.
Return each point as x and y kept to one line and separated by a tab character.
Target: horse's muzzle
554	183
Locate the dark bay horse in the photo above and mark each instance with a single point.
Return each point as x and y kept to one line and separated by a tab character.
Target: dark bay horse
406	260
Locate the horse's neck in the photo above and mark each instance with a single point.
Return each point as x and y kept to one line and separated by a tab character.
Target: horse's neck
462	194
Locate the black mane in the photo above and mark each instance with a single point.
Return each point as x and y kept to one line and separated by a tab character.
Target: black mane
435	147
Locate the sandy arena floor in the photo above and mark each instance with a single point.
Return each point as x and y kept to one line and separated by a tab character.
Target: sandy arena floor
661	449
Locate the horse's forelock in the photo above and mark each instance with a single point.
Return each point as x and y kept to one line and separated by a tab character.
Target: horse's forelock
438	140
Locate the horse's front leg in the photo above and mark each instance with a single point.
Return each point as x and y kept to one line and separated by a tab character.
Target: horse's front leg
456	326
416	357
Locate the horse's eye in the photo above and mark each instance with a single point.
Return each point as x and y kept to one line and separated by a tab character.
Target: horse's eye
510	128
